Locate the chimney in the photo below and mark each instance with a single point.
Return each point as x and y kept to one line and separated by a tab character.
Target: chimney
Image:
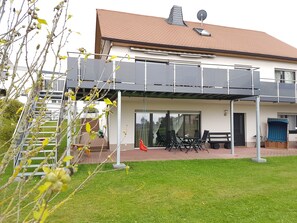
176	16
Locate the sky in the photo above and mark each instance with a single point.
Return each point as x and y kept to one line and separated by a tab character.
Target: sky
277	18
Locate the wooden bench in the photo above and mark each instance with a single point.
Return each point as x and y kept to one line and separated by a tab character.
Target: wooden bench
215	138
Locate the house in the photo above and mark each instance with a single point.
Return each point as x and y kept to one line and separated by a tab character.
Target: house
172	74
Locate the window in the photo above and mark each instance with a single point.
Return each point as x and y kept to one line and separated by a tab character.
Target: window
292	118
152	127
185	125
285	76
148	126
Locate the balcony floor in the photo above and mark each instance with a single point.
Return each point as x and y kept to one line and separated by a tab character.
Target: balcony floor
162	154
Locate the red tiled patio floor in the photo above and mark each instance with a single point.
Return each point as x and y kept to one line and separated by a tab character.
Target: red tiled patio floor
162	154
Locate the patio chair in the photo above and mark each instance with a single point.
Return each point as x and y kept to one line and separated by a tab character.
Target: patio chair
161	139
200	143
176	142
168	141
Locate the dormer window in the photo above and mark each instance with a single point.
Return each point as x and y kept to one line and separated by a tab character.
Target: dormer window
285	76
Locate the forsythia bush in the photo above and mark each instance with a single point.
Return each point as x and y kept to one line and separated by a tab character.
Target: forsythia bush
8	119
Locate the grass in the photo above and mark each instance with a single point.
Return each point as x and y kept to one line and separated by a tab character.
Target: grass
187	191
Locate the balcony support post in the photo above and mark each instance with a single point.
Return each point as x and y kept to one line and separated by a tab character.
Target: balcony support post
69	125
232	126
228	81
295	93
277	86
174	77
119	165
145	76
258	159
253	86
113	74
202	80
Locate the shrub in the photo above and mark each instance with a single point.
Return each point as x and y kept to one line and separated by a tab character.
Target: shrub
9	119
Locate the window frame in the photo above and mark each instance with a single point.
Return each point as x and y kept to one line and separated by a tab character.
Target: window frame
282	78
285	115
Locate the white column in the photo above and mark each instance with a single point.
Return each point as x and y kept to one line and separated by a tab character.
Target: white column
258	132
232	126
119	165
69	126
74	116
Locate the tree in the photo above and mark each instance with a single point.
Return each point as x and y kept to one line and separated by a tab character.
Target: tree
33	39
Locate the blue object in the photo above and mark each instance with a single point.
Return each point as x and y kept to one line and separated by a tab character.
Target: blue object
277	129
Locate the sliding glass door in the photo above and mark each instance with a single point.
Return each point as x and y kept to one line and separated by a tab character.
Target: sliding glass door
185	125
153	127
148	125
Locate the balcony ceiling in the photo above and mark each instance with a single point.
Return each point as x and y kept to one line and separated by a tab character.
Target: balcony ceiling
112	94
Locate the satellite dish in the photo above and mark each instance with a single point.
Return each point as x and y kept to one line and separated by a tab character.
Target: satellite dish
201	15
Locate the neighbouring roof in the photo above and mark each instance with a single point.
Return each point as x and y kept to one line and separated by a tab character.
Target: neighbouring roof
156	32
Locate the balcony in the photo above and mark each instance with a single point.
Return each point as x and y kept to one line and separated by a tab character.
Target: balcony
164	79
273	91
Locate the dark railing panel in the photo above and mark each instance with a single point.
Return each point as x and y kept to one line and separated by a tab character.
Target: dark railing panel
256	79
159	77
214	77
130	76
126	73
187	78
72	69
187	75
157	73
268	89
286	90
215	81
240	78
97	70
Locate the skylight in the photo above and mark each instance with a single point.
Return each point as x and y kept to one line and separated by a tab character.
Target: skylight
202	32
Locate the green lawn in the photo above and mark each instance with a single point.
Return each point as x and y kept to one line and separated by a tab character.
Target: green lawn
188	191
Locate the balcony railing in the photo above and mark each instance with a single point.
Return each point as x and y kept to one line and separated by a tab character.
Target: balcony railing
275	91
145	76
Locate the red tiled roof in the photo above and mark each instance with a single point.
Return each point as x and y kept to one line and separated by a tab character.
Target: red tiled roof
155	31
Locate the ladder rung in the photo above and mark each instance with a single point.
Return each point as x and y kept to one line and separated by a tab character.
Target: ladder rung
47	151
30	173
48	127
37	165
39	158
41	151
39	144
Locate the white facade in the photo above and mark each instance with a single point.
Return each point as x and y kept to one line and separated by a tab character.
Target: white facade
212	116
215	114
266	68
